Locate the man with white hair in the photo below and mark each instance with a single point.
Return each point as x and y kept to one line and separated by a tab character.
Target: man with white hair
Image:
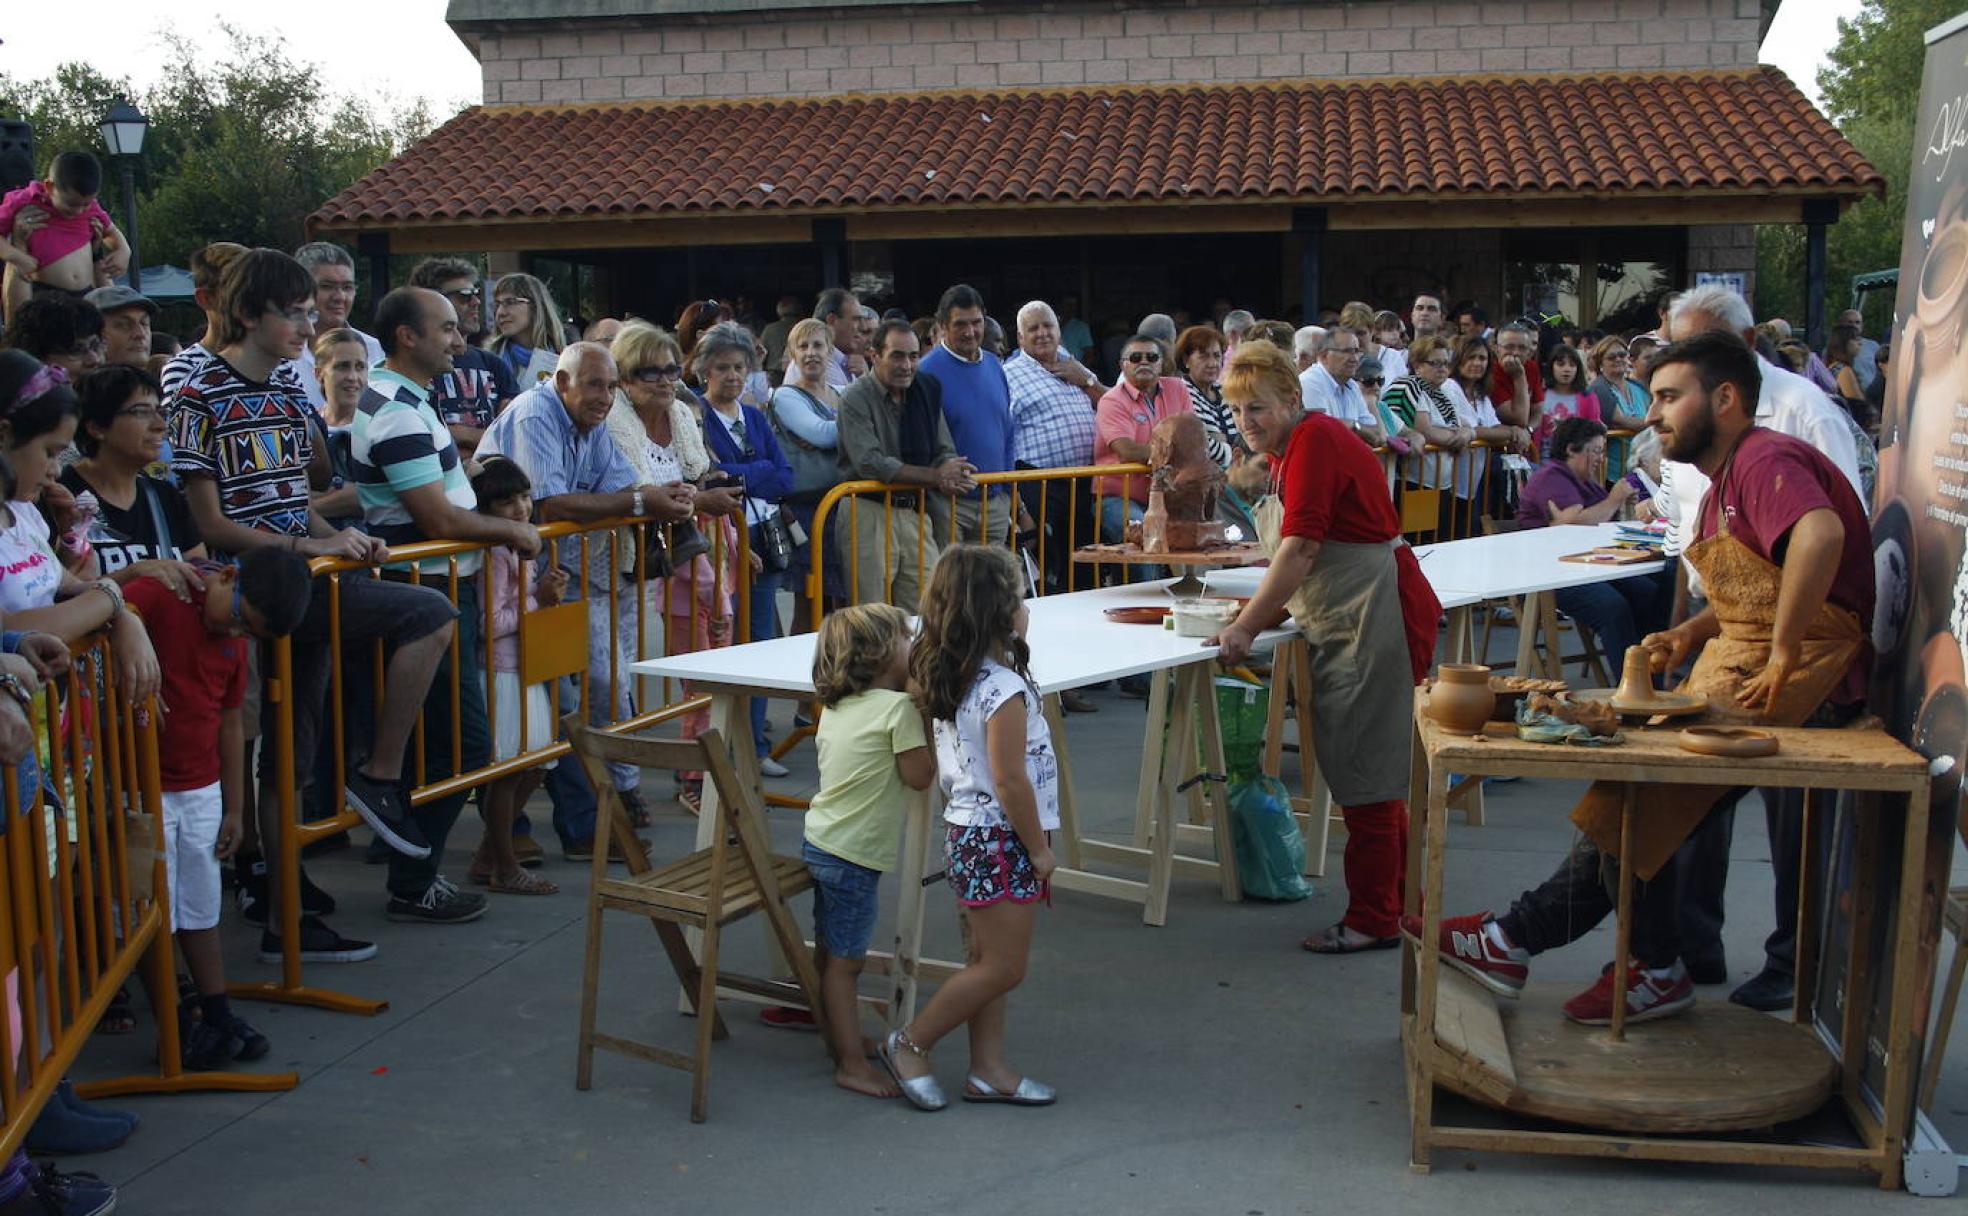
1236	325
1161	327
1328	387
1789	403
1052	400
1305	349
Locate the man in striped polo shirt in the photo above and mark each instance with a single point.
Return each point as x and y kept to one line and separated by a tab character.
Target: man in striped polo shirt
412	486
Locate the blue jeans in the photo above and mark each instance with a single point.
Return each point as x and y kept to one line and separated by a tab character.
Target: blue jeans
845	902
765	627
567	785
1620	612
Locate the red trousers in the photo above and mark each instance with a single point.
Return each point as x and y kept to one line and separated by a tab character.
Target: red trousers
1376	866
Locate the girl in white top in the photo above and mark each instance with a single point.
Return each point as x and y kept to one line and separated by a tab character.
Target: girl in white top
1000	782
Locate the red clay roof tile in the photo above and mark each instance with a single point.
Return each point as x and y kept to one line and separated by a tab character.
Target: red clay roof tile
1335	140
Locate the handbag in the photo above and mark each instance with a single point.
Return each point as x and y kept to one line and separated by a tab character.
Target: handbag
815	470
773	542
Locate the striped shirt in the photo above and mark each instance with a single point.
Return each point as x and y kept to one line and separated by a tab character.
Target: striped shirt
398	443
1052	422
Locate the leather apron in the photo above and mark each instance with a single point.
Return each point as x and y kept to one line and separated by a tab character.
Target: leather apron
1742	591
1349	611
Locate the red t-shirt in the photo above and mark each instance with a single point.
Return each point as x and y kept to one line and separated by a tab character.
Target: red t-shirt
1332	486
1503	389
1772	482
204	673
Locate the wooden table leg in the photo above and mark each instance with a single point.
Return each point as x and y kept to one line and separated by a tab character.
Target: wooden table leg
1623	922
1411	880
1461	636
731	718
1905	1009
1153	743
1215	794
916	835
1069	810
1428	970
1529	613
1168	752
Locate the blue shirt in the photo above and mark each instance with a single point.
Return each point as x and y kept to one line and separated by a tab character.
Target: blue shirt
1052	422
976	405
537	434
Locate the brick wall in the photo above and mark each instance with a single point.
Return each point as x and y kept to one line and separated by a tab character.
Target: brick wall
1215	40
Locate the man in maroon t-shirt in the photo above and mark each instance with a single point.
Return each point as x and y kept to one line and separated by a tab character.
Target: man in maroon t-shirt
1775	500
1516	386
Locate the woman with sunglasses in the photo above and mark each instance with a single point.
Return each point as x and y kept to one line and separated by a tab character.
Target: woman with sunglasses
660	434
526	329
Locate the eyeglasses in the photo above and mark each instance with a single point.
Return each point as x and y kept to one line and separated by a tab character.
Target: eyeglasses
659	372
1438	363
346	288
300	314
1144	356
89	346
510	301
147	413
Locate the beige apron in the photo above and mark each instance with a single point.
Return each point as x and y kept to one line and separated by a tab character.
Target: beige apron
1349	611
1742	590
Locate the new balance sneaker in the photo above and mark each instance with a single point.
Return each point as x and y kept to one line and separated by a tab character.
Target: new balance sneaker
1474	946
440	904
319	944
1649	995
381	804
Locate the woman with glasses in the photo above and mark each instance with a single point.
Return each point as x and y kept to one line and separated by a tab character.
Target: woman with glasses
526	329
1199	358
1418	402
805	411
1623	401
742	445
142	524
659	434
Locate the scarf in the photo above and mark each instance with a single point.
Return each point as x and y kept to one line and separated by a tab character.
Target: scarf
919	418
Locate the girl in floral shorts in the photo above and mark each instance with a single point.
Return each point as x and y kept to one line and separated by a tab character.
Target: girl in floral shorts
1001	789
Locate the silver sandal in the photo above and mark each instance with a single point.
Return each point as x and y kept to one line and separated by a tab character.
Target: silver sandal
1027	1093
922	1092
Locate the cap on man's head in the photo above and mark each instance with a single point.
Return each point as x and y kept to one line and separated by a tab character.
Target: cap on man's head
115	297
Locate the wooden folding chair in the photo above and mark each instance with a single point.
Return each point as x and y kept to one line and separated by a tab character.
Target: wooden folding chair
1954	917
733	878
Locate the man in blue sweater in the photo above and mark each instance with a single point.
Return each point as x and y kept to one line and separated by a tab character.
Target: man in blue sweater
977	407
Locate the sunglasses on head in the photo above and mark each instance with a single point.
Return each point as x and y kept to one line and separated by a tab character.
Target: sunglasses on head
1144	356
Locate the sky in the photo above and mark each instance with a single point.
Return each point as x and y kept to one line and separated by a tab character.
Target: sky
421	56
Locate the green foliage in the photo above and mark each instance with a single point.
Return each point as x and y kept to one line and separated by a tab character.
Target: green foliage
1871	90
244	141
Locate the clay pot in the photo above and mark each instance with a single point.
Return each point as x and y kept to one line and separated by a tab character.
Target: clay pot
1462	698
1636	678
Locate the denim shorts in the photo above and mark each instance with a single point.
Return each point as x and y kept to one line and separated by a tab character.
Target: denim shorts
988	864
844	902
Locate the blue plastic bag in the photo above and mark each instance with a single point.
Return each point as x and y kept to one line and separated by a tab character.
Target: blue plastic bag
1270	848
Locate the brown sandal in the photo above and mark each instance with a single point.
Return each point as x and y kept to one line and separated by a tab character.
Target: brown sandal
521	882
1332	940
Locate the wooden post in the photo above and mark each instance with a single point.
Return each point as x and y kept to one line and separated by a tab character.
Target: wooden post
1623	925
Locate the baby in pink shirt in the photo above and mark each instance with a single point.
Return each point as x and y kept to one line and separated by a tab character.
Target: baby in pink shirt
52	248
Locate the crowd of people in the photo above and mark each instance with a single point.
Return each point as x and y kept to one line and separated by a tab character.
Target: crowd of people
171	493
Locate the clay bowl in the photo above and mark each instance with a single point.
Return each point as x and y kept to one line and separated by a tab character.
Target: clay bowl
1735	742
1146	614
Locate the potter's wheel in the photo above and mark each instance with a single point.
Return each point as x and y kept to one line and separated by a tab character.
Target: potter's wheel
1661	704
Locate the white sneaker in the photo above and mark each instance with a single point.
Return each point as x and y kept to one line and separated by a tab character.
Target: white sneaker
772	768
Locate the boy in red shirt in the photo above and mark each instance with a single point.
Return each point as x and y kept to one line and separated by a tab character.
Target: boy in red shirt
201	651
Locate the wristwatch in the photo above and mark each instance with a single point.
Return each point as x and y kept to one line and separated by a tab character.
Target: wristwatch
638	507
13	686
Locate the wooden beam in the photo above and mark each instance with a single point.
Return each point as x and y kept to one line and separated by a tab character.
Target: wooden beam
1134	220
561	232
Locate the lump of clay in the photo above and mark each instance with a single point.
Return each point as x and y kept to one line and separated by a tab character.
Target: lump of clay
1181	472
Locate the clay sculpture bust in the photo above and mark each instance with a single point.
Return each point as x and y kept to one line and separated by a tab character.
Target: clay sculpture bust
1185	479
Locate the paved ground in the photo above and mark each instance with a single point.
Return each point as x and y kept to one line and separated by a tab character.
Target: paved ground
1206	1067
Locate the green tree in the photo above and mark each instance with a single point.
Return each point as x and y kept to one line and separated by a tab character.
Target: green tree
1871	89
243	144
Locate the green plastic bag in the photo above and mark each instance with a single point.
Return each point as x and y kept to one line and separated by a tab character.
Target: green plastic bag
1241	708
1270	848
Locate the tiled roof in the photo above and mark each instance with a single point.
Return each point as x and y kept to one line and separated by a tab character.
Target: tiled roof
1748	131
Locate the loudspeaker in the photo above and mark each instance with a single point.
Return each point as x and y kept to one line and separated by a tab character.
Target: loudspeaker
16	153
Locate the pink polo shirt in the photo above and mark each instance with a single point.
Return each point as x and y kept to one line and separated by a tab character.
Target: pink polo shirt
1124	413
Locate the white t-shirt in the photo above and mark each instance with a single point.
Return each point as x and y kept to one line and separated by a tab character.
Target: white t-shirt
1469	466
29	573
963	761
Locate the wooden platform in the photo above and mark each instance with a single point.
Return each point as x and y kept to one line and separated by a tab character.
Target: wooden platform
1715	1068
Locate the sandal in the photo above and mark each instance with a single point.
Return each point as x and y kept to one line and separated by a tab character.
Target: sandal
120	1017
1333	940
690	795
521	882
922	1092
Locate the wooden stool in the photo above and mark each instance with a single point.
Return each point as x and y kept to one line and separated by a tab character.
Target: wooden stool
734	877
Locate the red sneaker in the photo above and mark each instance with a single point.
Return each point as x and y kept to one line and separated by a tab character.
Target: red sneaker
787	1017
1467	948
1647	997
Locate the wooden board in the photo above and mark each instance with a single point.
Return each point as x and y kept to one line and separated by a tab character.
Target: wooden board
1612	556
1128	555
1715	1068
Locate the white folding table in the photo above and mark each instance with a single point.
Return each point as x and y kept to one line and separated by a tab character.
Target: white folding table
1073	645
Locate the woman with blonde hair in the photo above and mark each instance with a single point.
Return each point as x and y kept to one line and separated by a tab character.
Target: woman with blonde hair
526	329
1340	571
804	411
661	437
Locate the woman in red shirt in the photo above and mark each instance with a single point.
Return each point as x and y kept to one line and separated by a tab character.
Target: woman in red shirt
1342	573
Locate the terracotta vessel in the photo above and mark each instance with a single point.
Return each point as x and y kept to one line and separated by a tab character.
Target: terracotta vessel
1637	678
1462	698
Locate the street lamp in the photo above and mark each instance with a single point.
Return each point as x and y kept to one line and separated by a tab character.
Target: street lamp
123	133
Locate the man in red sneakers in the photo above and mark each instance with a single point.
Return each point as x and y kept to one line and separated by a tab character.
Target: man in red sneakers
1784	547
